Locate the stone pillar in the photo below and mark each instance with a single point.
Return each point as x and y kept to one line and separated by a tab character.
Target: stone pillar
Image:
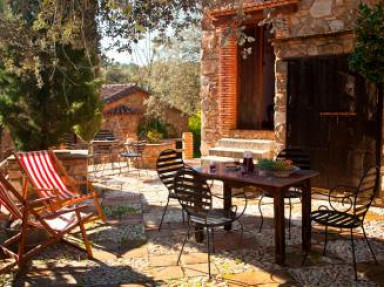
281	72
210	120
187	145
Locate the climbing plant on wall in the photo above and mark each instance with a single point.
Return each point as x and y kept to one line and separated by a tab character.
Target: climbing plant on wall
368	57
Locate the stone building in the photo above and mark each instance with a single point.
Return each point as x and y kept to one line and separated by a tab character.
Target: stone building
124	111
295	88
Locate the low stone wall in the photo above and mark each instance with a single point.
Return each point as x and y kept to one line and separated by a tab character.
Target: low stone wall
151	153
75	163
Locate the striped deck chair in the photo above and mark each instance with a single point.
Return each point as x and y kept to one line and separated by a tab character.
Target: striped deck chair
57	224
49	179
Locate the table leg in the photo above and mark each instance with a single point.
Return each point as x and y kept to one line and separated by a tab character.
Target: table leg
306	216
279	227
227	202
199	231
199	234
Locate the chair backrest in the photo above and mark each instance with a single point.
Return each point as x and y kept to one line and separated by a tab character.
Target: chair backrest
366	192
43	174
104	135
192	191
168	164
298	156
9	198
138	146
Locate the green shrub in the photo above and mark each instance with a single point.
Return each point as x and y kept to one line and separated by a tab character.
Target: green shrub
194	124
154	137
154	130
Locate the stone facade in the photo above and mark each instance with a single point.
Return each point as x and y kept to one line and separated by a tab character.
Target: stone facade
316	27
310	28
125	109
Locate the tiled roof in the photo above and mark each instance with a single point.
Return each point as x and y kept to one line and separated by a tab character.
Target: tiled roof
251	6
121	110
113	92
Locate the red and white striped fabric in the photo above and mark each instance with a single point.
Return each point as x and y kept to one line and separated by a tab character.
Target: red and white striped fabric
42	173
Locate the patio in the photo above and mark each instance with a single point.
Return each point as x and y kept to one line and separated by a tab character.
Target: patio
129	250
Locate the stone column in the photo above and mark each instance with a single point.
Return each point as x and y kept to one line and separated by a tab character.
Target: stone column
210	97
187	145
281	72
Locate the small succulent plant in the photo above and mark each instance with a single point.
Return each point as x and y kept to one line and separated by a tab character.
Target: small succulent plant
273	165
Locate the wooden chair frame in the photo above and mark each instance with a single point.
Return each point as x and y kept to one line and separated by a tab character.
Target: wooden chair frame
33	219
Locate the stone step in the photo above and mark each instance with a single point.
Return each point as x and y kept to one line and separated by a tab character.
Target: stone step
254	144
209	158
238	152
252	134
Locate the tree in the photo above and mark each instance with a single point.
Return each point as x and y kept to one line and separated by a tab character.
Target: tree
49	79
120	73
174	76
368	57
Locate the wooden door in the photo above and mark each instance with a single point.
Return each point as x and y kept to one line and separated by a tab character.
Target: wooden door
256	82
332	113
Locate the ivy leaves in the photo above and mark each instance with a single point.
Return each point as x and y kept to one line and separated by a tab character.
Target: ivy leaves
368	57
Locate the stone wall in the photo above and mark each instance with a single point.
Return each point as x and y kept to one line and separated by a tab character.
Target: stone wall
151	153
210	132
123	126
126	125
314	27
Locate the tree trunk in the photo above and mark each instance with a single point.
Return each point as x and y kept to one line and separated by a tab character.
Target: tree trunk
379	128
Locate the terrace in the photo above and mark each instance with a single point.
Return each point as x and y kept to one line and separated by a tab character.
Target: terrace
130	251
253	81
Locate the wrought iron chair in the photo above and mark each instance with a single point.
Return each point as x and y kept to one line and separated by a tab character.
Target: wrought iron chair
348	210
195	198
299	158
135	151
168	164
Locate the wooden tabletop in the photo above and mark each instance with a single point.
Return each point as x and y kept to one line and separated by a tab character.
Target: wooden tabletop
254	178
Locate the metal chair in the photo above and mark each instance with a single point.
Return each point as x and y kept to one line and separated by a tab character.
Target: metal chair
135	151
353	205
299	158
168	164
195	198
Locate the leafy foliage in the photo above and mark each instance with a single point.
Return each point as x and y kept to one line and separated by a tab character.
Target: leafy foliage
49	81
368	56
121	74
194	124
154	130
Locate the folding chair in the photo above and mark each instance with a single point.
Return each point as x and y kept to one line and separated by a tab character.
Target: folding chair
49	179
57	224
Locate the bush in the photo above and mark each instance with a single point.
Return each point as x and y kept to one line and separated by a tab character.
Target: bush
194	124
155	130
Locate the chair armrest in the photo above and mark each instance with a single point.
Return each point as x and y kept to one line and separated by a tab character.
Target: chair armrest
343	194
39	201
64	211
234	208
78	182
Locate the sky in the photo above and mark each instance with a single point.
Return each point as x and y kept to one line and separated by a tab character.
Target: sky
141	53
